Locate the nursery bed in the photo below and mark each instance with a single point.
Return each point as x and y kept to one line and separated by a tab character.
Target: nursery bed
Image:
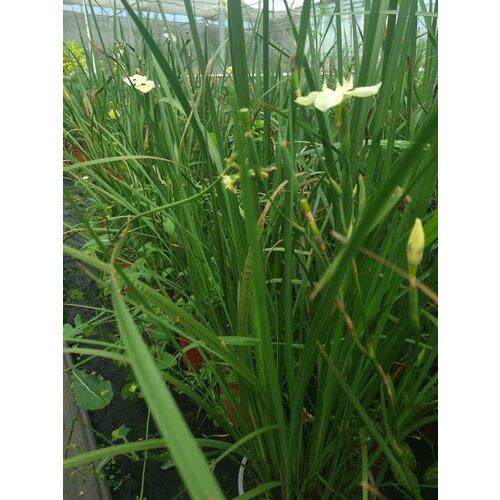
124	475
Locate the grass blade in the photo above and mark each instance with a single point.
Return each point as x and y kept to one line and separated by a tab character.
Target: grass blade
186	454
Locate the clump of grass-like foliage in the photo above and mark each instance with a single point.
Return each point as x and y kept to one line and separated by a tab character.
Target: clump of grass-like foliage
270	238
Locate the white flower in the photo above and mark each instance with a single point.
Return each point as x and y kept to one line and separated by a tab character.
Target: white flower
170	37
134	79
85	177
140	82
328	98
230	182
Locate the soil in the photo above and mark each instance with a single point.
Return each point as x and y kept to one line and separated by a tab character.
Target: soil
426	454
124	475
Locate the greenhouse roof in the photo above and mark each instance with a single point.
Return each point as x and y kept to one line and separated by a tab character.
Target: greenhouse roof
204	9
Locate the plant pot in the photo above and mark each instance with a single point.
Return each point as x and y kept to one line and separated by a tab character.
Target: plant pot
77	153
192	358
241	473
224	401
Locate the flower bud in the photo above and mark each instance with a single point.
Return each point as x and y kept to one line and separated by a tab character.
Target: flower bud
415	248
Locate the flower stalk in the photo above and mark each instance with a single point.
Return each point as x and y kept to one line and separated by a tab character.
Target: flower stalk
312	224
253	156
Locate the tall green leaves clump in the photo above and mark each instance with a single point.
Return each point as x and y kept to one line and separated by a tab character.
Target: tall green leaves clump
271	238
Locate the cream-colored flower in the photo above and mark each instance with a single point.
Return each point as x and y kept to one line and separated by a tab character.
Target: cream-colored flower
135	79
328	98
416	244
230	182
140	82
170	37
229	70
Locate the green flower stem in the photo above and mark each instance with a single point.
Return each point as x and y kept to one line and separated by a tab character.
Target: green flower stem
414	309
340	206
312	225
348	178
253	156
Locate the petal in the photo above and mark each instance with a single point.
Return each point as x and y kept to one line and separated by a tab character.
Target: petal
346	86
364	91
327	99
144	87
135	79
307	100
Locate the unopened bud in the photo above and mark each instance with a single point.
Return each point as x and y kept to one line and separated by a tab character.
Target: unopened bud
335	186
415	249
304	205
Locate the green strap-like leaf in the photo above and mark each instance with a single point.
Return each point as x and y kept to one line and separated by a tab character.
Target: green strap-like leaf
134	446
